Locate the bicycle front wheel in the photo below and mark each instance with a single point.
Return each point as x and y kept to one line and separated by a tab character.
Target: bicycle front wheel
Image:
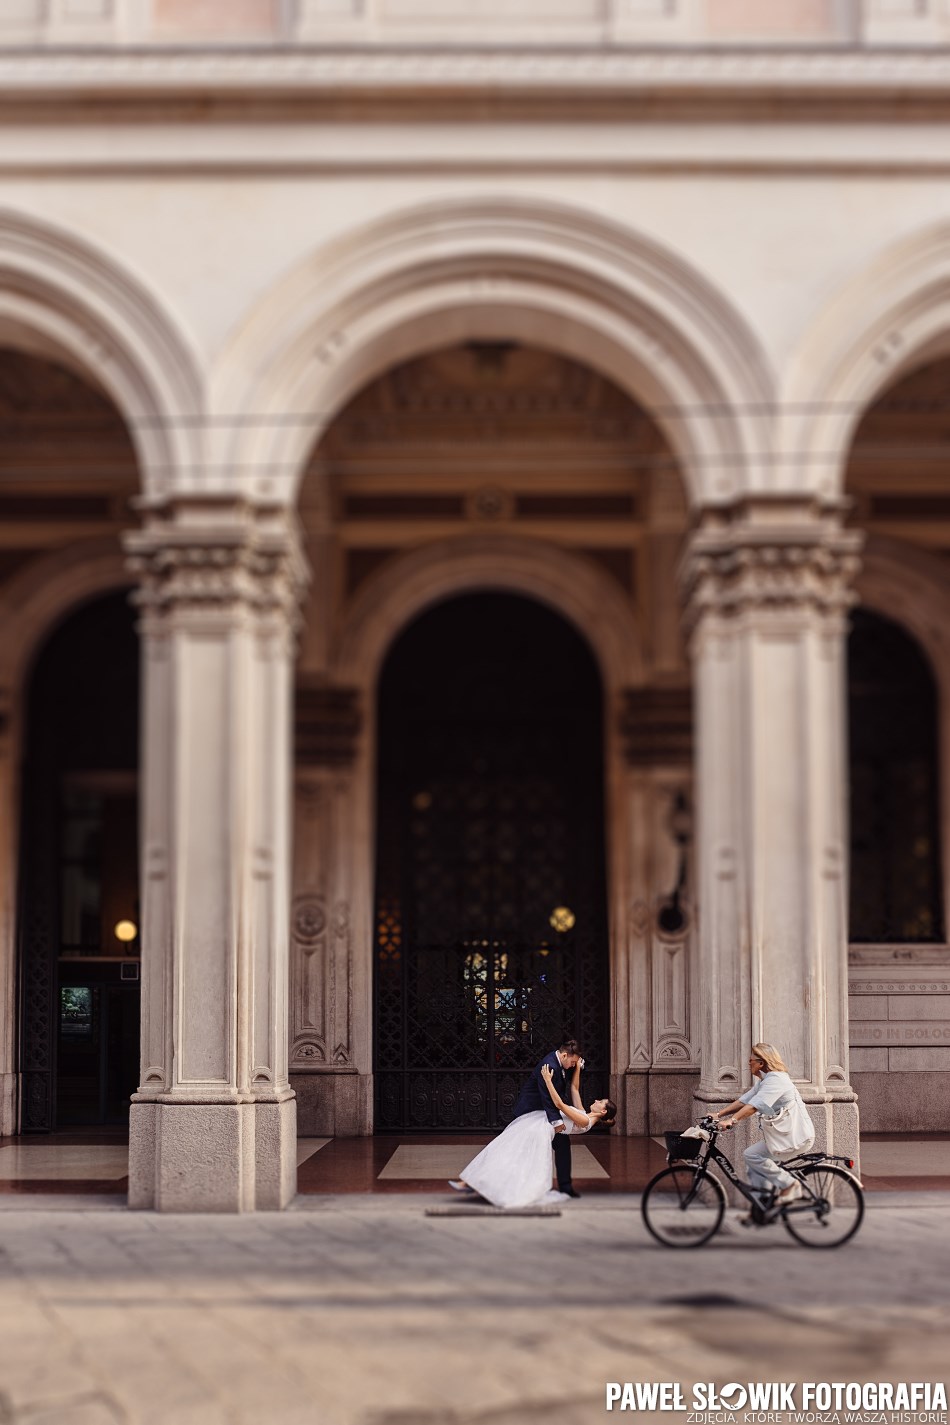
831	1210
681	1208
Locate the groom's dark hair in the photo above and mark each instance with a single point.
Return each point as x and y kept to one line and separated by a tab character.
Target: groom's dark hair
569	1046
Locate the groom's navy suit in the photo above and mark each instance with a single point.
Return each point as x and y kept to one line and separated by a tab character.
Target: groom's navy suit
534	1095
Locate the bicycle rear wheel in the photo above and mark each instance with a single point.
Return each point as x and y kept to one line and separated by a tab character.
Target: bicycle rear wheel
681	1212
831	1210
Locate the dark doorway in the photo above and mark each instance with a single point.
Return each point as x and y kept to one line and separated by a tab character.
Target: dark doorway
78	922
894	768
491	926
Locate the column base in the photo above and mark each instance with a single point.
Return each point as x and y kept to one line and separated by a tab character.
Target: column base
334	1105
651	1101
9	1094
837	1129
212	1157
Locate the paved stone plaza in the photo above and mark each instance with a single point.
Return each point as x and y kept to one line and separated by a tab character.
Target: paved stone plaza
360	1310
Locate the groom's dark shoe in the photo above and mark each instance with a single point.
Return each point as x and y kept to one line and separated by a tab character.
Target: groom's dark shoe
569	1191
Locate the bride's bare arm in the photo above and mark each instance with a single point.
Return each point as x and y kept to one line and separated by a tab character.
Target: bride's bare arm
576	1099
575	1115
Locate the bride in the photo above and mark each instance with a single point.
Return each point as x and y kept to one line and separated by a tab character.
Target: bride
515	1168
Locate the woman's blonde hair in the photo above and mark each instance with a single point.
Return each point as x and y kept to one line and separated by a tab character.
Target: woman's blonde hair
770	1057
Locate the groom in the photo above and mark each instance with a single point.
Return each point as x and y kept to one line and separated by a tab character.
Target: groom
534	1095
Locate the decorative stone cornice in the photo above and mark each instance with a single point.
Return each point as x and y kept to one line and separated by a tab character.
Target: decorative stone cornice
140	75
769	555
359	66
206	554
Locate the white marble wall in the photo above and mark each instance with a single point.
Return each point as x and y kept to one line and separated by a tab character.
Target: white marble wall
751	282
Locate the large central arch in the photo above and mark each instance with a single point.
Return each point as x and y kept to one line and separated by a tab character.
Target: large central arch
538	272
550	277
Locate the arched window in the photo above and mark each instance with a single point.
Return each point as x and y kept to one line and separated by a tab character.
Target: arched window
895	822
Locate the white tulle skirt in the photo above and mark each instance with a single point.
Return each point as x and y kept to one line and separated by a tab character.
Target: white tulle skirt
516	1168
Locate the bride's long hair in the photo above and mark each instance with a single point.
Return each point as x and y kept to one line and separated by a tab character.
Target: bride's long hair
610	1113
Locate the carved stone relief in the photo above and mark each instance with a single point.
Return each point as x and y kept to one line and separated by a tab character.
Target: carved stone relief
737	566
328	727
309	987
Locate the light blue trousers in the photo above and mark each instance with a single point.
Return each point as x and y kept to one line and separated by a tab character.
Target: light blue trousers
763	1171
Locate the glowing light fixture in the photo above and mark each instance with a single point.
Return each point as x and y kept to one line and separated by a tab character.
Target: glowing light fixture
126	930
562	918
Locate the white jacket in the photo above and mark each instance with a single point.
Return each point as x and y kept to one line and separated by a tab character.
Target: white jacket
774	1092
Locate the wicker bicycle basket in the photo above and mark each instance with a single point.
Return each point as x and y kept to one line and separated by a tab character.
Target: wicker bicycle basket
678	1147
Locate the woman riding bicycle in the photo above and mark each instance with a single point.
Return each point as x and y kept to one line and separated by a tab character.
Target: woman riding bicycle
786	1126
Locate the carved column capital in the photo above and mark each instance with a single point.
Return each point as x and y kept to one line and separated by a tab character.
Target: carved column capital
203	555
774	557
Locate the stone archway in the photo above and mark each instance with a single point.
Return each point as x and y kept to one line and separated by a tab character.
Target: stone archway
71	467
490	937
68	303
500	269
892	317
331	980
78	909
64	300
542	276
917	594
31	605
580	592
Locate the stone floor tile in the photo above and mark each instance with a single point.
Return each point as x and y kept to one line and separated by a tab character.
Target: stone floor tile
44	1372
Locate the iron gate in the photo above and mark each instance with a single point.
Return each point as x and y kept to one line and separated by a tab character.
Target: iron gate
490	830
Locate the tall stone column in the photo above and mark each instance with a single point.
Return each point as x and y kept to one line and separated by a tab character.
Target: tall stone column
213	1122
767	586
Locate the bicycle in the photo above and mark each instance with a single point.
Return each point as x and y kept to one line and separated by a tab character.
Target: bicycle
684	1205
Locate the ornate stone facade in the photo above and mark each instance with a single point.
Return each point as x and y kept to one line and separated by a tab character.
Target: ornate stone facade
417	336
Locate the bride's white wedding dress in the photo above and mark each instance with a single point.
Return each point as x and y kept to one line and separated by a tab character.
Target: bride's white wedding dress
515	1169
